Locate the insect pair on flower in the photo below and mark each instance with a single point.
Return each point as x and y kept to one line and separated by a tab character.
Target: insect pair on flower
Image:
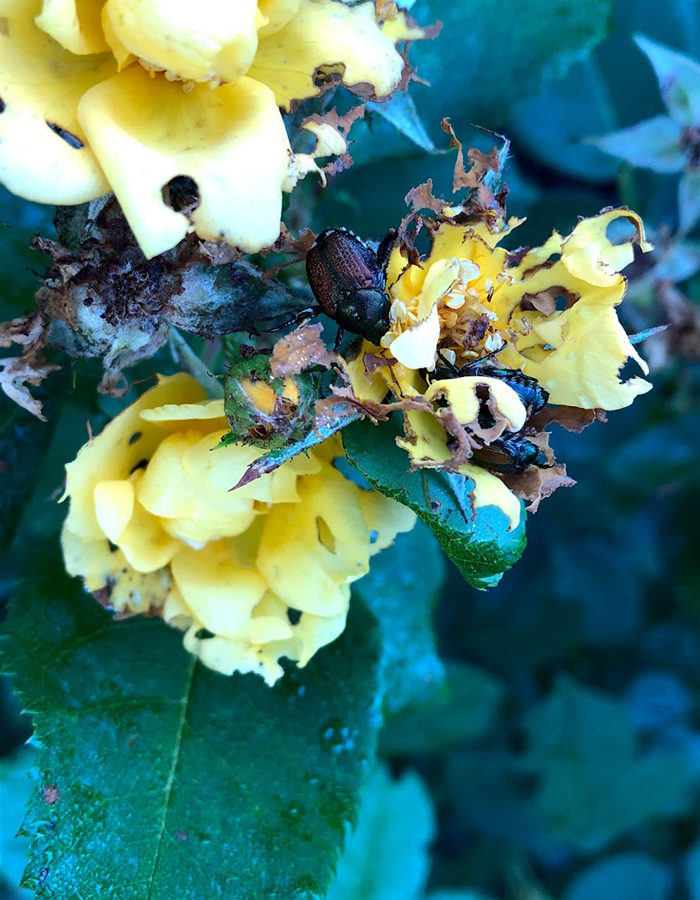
348	279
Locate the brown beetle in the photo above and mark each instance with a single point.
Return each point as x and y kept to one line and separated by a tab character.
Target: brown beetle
347	278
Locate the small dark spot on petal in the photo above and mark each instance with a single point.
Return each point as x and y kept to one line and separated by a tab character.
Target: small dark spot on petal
112	547
4	25
203	634
2	105
373	535
134	437
293	615
141	464
71	139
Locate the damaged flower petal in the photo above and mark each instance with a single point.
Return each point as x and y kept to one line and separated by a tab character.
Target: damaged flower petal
203	41
333	37
43	156
250	575
469	396
156	102
231	142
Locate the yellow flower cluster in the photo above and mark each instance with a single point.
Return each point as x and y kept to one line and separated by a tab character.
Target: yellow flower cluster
253	575
549	312
127	95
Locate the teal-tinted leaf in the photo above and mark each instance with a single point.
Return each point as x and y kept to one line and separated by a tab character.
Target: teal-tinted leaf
401	589
627	876
692	872
689	200
679	80
401	112
23	443
20	220
554	124
272	460
653	144
680	261
15	787
478	541
464	711
172	780
386	857
594	784
483	61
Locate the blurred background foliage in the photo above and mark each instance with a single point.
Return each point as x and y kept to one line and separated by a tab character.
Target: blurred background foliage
561	757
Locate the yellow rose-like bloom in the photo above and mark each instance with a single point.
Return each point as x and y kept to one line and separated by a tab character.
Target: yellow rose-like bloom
126	95
549	312
552	309
253	575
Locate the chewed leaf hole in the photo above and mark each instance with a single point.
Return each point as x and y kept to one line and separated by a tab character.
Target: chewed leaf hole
325	535
181	194
620	231
71	139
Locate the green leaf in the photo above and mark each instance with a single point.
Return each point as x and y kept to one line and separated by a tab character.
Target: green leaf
465	711
594	783
401	589
478	542
386	857
627	876
679	80
15	787
483	61
173	780
653	144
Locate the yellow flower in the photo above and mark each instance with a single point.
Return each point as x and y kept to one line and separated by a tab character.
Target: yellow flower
127	95
549	312
253	575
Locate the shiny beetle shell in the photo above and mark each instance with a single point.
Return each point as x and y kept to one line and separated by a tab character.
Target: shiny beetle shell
348	282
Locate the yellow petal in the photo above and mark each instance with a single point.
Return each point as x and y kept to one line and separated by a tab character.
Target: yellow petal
277	13
103	568
308	549
590	347
310	634
231	141
192	502
198	41
384	519
125	442
207	415
220	592
489	490
590	255
329	34
114	507
139	535
398	28
43	156
76	24
461	396
228	656
416	347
